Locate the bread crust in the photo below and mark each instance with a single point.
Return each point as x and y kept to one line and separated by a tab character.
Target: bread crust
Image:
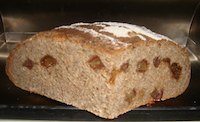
104	47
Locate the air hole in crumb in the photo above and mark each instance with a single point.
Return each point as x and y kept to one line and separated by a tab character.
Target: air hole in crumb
48	61
142	66
28	64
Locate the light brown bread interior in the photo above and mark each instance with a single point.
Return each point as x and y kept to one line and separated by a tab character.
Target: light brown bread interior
102	80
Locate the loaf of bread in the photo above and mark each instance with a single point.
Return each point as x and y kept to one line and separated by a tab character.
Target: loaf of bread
106	68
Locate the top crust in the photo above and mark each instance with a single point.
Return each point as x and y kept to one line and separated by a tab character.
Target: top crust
109	37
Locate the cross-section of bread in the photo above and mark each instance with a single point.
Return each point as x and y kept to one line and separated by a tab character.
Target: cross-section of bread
106	68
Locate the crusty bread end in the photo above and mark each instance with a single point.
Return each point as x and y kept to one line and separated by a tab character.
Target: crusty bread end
79	69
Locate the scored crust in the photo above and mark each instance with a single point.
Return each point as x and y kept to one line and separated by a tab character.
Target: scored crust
95	36
114	70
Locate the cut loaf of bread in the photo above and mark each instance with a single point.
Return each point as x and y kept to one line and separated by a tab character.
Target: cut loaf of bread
106	68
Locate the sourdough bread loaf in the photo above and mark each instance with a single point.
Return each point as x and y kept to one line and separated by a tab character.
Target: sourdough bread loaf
106	68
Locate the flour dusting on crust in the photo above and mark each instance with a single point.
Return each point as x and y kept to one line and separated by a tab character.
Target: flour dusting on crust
107	39
117	30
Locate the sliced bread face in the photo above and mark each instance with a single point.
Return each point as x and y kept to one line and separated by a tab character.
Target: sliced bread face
106	78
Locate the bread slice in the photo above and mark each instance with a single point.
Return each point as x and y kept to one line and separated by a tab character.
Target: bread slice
106	68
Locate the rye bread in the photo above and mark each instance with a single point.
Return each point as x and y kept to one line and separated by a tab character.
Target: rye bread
106	68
